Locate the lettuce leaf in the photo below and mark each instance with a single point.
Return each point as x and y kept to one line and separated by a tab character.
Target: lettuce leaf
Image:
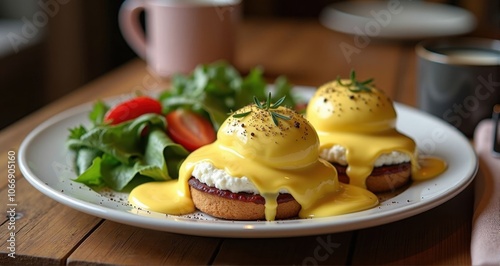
92	175
122	141
85	158
98	112
123	152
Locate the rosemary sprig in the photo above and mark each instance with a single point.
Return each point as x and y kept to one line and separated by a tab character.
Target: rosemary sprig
354	85
241	114
268	106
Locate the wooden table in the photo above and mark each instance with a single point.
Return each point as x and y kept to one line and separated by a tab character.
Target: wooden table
308	54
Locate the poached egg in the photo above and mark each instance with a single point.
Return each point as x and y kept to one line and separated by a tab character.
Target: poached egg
356	125
273	148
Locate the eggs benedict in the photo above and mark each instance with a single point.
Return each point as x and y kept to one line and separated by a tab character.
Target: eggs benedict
264	165
355	123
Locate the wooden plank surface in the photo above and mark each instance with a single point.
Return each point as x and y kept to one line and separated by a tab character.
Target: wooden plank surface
330	249
114	243
440	236
307	53
45	232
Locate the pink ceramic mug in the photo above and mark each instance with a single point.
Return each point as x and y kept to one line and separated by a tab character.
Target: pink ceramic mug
180	33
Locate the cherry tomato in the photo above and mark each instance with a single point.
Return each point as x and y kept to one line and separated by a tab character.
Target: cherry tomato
189	129
301	107
131	109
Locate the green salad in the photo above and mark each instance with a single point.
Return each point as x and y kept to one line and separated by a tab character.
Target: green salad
147	138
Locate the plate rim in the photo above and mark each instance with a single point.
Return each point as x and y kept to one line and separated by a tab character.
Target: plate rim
259	229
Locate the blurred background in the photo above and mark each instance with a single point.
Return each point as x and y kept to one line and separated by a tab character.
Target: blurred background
49	48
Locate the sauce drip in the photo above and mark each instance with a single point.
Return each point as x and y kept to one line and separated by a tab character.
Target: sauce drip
428	167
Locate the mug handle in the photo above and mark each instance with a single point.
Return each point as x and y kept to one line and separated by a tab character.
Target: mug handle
130	26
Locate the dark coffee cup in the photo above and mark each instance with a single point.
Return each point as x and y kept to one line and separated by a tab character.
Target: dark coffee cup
459	80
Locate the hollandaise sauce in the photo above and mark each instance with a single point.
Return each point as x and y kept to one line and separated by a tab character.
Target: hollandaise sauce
362	150
275	155
170	197
428	167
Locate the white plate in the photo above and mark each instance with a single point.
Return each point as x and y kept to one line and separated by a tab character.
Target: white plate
47	165
397	19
